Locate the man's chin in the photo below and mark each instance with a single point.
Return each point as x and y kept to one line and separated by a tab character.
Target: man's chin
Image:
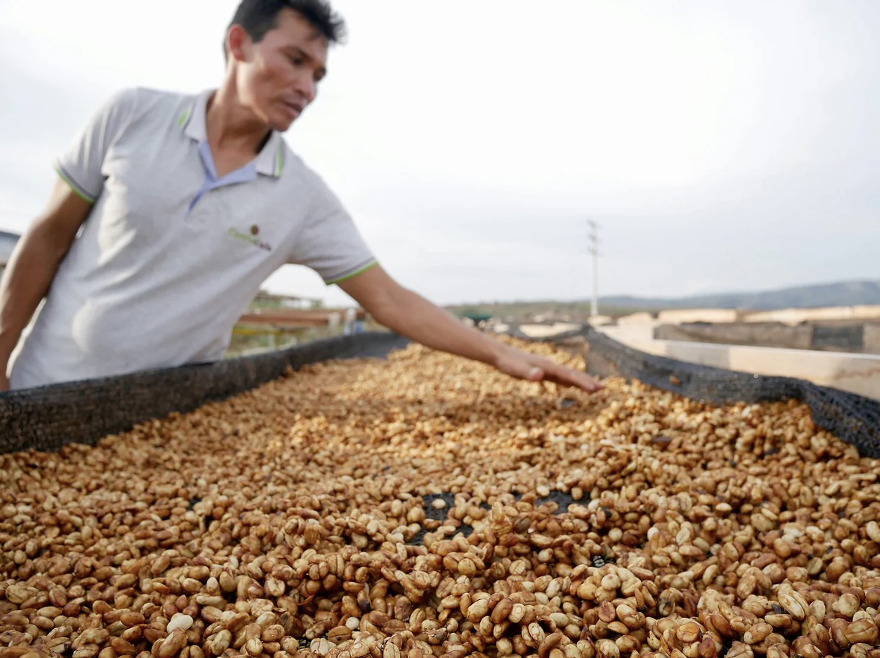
283	126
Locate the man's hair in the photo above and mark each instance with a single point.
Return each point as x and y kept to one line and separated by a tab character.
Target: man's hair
257	17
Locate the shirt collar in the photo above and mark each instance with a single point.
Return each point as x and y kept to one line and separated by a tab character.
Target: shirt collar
269	161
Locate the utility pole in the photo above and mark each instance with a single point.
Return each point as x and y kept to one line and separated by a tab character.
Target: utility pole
594	250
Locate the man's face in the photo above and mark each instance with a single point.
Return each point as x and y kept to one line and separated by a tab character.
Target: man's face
278	77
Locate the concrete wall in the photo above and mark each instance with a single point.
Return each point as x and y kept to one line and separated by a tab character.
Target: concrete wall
546	331
629	333
847	336
789	316
866	312
635	318
855	373
794	316
872	339
683	316
765	334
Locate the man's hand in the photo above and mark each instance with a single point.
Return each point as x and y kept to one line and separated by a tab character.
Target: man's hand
534	368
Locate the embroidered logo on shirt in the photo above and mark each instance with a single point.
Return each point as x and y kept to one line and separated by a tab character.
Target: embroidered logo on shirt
250	239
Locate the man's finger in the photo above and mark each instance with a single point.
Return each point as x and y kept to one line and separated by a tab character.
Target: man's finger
535	374
568	377
523	369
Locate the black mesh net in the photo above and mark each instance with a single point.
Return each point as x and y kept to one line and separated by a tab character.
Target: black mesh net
850	417
83	412
49	417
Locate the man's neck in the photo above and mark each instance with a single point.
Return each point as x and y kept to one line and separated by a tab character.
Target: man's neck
232	127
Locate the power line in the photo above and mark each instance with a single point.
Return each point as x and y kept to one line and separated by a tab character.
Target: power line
594	251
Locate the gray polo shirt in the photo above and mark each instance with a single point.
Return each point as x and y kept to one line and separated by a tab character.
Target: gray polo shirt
170	255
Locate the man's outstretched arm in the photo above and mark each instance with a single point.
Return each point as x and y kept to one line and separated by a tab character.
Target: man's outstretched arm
33	265
414	317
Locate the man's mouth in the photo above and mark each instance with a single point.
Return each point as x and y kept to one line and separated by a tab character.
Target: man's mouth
295	108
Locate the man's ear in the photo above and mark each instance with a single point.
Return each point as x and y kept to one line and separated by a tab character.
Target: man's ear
237	43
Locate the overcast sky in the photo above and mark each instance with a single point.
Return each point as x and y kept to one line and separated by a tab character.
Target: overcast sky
722	145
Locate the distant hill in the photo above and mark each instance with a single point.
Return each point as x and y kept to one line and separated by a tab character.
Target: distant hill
850	293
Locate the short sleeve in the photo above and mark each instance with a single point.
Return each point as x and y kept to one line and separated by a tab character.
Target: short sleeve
81	163
330	243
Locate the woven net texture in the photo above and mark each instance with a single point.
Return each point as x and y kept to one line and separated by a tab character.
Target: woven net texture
852	418
47	418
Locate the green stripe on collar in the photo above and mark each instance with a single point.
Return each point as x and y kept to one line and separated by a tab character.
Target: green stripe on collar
279	160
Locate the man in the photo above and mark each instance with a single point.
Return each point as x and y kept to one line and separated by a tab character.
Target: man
170	210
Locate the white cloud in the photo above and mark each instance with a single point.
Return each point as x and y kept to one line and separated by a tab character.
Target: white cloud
721	145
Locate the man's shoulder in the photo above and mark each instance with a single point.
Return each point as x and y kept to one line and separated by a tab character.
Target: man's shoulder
145	98
295	165
293	162
151	109
141	101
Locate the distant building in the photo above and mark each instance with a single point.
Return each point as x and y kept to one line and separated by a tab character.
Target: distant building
264	298
7	244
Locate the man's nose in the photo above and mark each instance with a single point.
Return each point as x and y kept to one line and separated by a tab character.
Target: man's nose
305	86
